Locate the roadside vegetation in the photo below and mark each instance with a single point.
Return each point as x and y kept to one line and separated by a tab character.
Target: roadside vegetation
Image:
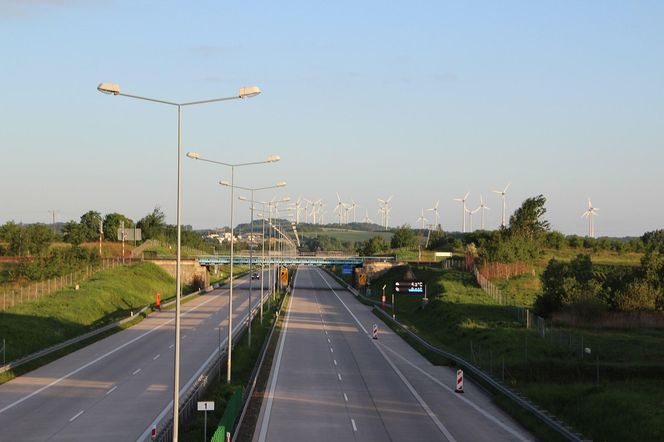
106	297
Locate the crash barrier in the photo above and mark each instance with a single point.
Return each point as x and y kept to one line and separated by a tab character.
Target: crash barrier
479	375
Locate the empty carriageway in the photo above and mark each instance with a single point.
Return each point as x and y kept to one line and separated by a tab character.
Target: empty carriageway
331	381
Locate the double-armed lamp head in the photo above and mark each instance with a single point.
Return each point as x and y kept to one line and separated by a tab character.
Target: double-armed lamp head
114	89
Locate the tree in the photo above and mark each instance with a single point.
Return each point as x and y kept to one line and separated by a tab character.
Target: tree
152	224
26	240
112	223
91	222
404	237
374	246
73	233
527	222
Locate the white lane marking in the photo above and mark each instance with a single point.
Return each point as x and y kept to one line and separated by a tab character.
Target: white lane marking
345	397
156	357
94	361
408	385
183	390
184	336
339	376
325	331
331	350
328	341
111	390
136	372
480	410
352	421
273	384
335	362
171	346
76	415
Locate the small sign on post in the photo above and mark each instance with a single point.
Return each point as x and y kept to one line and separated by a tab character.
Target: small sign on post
205	406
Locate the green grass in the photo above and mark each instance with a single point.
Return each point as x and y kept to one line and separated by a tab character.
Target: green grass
104	298
462	319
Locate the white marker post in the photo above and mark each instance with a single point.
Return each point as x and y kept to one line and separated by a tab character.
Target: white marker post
205	406
375	331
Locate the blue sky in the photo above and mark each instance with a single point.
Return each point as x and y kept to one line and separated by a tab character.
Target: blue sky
421	100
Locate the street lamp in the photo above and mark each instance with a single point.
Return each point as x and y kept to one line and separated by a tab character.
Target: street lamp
269	159
251	250
244	198
245	92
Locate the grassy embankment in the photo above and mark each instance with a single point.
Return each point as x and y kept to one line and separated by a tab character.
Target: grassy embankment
625	405
106	297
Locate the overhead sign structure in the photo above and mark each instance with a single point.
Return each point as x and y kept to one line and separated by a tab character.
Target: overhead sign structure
413	287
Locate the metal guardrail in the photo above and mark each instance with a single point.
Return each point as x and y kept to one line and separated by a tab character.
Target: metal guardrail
477	373
189	404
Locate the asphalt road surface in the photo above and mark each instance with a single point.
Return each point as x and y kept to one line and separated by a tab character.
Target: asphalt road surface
331	381
117	388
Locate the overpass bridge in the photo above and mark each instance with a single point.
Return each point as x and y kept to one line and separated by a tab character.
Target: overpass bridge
210	260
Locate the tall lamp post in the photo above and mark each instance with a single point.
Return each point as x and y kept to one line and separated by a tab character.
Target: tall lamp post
243	198
251	252
245	92
270	159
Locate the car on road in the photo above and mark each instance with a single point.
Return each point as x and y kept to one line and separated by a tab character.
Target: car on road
256	275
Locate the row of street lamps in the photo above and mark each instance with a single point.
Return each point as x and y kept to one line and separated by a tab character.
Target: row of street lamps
245	92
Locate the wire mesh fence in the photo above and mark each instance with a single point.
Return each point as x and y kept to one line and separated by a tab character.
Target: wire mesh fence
14	296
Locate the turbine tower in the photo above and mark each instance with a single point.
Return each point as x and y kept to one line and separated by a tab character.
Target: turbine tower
463	211
366	217
483	207
385	210
590	213
436	215
353	207
422	219
502	193
339	208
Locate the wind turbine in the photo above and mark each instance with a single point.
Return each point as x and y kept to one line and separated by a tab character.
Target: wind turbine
436	215
366	217
422	219
339	208
470	217
590	213
354	206
502	193
306	209
483	207
385	210
463	211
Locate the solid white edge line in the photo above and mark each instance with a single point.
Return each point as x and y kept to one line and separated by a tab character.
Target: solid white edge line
408	385
480	410
270	397
94	361
76	415
239	324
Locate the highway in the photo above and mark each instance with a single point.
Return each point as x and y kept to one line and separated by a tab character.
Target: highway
118	387
330	381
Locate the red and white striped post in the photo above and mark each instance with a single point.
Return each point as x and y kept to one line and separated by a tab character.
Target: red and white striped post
375	332
459	382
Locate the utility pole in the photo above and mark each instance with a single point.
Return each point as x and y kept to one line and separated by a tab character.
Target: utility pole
53	212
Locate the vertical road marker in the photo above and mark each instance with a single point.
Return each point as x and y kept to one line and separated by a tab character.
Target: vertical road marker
375	332
459	382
